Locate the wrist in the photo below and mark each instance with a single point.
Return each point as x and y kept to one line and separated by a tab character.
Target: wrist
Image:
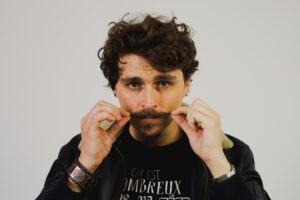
226	176
90	164
218	166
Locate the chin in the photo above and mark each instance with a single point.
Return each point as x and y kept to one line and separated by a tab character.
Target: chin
149	135
149	130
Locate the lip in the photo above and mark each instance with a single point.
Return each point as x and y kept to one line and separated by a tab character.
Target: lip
149	119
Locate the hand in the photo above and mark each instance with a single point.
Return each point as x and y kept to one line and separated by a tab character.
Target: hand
203	127
96	143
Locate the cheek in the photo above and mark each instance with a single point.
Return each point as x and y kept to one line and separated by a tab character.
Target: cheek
172	100
127	101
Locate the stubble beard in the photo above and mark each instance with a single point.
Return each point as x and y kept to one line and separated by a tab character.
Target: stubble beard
148	132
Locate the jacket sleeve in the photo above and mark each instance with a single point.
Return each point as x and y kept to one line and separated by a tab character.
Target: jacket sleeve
56	185
246	184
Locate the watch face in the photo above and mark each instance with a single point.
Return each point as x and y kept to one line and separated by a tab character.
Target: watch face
77	174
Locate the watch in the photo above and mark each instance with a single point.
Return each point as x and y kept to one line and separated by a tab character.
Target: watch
81	176
225	176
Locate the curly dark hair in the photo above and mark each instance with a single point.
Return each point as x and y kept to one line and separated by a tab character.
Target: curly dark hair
165	44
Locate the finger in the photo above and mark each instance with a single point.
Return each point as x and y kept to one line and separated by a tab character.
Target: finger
123	112
93	123
103	105
192	122
100	117
190	118
198	118
188	115
179	119
198	109
198	100
180	110
109	109
203	107
184	110
182	122
113	107
105	124
117	126
98	107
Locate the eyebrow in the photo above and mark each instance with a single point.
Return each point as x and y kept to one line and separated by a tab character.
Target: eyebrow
130	79
163	77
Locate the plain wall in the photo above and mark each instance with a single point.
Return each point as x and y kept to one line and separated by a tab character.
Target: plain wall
50	78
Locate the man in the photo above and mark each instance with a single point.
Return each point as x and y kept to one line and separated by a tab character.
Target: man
153	146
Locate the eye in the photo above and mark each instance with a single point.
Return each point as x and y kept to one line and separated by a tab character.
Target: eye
163	84
134	85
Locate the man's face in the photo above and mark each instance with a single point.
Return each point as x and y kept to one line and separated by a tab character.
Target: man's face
149	95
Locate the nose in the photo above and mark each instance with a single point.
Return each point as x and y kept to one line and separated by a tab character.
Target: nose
148	98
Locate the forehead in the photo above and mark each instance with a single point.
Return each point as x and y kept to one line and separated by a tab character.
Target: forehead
137	66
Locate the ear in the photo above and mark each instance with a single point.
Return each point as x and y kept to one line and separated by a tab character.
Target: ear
187	84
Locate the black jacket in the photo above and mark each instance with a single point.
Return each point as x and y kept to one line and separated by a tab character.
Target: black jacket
245	185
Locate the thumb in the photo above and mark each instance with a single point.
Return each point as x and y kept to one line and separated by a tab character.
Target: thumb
117	126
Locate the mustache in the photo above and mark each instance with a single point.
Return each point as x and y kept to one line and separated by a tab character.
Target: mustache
149	113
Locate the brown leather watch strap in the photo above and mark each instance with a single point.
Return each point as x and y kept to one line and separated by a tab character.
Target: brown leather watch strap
81	176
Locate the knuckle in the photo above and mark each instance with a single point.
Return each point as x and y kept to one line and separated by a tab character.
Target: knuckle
211	122
217	115
214	123
83	130
85	118
101	102
82	122
94	117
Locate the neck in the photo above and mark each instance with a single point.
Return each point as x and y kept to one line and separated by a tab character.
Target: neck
169	135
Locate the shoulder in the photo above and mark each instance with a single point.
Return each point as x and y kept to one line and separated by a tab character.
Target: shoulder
238	143
240	154
69	151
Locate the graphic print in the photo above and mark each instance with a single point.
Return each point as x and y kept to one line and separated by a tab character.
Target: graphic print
147	184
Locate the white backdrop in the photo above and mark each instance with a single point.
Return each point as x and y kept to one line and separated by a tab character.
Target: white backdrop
50	78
